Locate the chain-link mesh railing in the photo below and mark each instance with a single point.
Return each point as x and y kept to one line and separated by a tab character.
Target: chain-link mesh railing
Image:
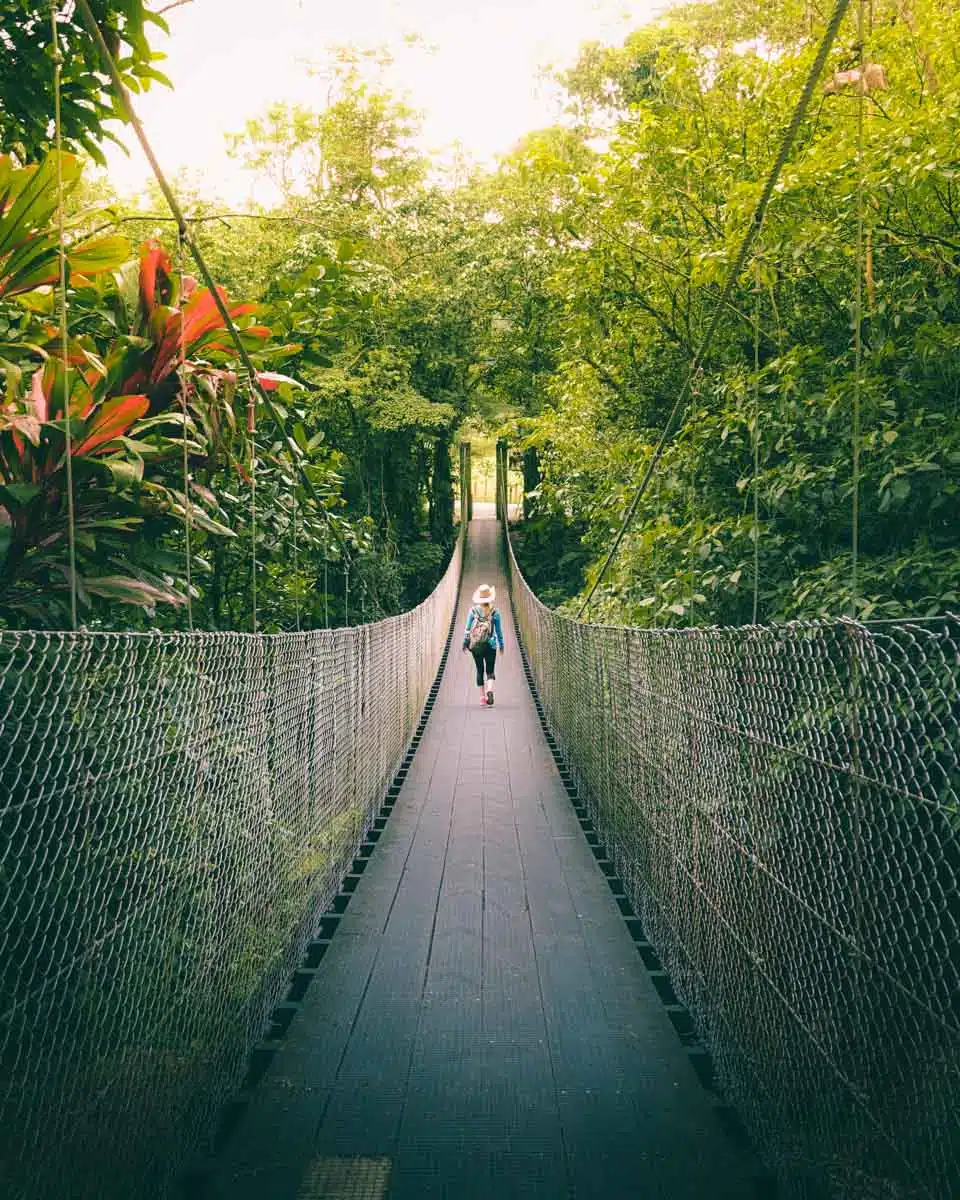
175	813
782	805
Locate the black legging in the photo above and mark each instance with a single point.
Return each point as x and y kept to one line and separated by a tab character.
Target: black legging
485	655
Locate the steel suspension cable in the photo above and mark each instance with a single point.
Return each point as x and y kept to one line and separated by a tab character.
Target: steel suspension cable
62	298
746	245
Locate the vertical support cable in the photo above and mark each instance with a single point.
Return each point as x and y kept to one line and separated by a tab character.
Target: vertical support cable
252	431
326	586
692	504
187	502
855	727
655	556
756	442
464	484
497	485
64	338
857	331
296	567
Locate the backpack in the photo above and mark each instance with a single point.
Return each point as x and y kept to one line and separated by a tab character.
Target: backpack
482	628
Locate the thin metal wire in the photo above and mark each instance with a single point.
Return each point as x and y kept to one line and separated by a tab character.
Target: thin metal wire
62	297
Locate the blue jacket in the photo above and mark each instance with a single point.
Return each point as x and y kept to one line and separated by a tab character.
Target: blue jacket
496	638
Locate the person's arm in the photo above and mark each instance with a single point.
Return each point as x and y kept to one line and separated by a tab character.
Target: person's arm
498	629
466	633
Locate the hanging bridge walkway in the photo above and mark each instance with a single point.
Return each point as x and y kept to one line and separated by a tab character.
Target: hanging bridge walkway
289	916
482	1025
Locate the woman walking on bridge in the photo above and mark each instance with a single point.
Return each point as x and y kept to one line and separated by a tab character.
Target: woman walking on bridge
483	635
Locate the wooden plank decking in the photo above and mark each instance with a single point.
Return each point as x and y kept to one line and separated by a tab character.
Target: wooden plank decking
482	1026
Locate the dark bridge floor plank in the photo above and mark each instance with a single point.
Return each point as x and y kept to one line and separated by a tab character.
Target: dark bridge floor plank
482	1018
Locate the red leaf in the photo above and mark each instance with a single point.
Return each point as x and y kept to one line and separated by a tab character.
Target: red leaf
199	316
30	283
153	261
111	421
270	380
133	383
131	591
38	397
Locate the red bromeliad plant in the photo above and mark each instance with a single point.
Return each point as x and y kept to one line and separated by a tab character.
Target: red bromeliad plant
128	404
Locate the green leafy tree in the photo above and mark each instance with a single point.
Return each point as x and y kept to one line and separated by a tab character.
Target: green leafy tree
26	82
635	245
357	149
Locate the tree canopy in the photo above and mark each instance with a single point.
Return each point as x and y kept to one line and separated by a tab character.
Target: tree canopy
556	300
26	82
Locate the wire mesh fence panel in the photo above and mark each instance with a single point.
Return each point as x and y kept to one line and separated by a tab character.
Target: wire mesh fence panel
783	804
175	812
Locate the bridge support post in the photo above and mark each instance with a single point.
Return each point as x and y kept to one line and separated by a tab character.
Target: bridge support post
503	458
531	478
466	484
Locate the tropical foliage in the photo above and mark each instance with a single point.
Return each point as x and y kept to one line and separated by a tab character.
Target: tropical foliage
630	223
557	300
26	81
144	384
343	512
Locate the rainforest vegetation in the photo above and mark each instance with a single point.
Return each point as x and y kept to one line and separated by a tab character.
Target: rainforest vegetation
557	301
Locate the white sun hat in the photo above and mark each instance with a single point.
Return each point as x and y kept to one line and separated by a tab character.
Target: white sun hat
485	594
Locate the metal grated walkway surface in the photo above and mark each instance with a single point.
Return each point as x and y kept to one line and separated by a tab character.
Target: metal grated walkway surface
481	1027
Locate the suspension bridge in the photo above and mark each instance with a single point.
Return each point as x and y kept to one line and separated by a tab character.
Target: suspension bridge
291	915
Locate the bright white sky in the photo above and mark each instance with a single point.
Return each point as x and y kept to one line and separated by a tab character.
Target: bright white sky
482	86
